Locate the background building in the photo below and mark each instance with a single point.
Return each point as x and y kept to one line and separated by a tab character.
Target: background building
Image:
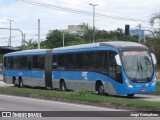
72	29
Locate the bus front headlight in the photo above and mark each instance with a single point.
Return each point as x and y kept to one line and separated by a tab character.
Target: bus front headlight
129	84
154	82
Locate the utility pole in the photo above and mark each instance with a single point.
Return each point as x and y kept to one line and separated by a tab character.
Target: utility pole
63	38
24	39
93	20
9	43
139	26
17	30
38	33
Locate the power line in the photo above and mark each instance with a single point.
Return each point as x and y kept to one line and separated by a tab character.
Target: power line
79	11
97	9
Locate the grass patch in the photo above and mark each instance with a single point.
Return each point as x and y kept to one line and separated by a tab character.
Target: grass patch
83	96
158	83
158	89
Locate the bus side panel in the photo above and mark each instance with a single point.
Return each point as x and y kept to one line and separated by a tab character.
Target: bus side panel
38	78
24	74
26	77
5	74
73	79
76	80
107	82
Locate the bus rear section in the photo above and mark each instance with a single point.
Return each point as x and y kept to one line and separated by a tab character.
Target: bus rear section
25	68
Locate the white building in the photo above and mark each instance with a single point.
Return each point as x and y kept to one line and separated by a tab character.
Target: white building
72	29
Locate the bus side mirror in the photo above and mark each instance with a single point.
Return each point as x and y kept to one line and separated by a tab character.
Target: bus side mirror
154	58
118	60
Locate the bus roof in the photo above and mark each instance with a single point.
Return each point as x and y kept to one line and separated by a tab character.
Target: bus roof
123	45
120	45
27	52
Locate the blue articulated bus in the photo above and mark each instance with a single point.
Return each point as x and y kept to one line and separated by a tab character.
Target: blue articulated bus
117	68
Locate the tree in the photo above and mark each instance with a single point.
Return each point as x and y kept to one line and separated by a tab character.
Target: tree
30	44
154	43
55	39
88	32
156	18
1	58
116	35
73	39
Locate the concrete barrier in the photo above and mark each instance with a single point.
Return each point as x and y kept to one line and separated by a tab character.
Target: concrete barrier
1	77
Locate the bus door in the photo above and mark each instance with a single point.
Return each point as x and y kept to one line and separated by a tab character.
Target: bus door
115	73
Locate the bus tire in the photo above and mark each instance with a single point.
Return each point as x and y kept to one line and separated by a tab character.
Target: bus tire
20	82
15	83
62	85
130	95
100	89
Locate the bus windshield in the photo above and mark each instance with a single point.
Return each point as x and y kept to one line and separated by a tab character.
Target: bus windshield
137	65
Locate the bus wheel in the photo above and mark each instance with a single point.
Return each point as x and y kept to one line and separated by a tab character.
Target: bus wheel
100	89
20	82
15	83
130	95
63	85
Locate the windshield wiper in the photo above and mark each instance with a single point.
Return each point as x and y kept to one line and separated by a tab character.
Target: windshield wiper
137	66
140	66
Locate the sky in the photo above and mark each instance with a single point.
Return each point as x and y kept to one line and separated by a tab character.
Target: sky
58	14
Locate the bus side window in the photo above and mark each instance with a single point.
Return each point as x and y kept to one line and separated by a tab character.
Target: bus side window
41	61
5	62
38	62
90	61
70	61
54	64
29	62
79	61
112	64
61	62
102	62
35	62
10	62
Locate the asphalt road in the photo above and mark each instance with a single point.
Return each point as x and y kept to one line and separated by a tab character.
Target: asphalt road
14	103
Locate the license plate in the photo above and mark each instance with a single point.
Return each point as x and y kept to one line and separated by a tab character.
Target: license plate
143	89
